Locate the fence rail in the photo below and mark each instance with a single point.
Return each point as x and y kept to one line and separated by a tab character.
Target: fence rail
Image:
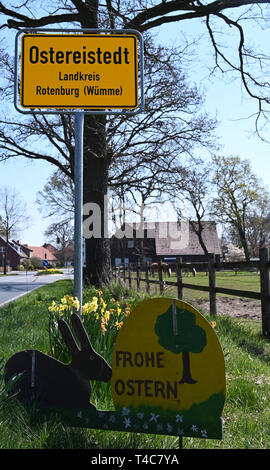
211	267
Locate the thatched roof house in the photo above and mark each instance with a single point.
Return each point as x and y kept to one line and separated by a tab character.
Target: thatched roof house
163	241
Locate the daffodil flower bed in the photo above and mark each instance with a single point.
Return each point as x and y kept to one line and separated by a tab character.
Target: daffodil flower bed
101	318
49	271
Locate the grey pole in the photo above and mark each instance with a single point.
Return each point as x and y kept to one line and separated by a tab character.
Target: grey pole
78	177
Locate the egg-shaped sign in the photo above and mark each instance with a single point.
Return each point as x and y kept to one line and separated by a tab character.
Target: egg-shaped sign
168	363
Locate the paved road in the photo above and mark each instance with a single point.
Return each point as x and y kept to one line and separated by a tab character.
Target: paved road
12	287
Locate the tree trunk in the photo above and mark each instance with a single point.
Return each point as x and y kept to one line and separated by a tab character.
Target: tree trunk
5	261
95	180
186	377
243	240
96	167
6	255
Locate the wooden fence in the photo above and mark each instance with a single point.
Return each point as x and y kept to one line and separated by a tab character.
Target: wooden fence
211	267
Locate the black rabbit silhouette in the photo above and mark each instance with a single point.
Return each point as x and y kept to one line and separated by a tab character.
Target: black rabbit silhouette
49	382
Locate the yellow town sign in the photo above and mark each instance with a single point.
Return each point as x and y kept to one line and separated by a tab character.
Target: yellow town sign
79	71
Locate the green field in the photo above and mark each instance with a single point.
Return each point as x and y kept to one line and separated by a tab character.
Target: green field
234	280
246	415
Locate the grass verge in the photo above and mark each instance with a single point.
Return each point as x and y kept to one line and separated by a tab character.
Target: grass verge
246	415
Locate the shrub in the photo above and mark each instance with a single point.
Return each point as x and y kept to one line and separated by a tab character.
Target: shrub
20	267
36	262
32	263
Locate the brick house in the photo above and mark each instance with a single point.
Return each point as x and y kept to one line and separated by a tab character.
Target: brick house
25	248
16	254
162	241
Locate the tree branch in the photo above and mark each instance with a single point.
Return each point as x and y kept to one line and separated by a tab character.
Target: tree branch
156	16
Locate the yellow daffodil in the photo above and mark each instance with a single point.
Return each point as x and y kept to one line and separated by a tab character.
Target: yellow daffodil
119	310
103	328
106	316
86	309
76	303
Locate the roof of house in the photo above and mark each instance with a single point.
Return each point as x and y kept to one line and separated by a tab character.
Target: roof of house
50	247
136	230
174	238
42	253
25	247
14	246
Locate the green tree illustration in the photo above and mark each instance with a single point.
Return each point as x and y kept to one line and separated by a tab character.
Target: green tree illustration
181	335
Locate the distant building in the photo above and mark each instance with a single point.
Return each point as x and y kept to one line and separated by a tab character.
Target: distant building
68	254
16	254
25	248
45	252
163	241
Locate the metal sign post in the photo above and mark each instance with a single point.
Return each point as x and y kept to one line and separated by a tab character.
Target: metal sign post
78	177
78	71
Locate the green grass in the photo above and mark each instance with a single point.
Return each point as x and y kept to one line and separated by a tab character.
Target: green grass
10	274
24	323
246	415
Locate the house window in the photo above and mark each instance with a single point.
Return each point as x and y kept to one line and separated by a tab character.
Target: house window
130	243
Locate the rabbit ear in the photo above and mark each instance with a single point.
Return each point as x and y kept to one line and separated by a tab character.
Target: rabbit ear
80	332
68	337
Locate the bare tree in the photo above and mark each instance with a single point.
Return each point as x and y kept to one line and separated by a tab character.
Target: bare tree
143	15
56	199
190	190
258	226
13	218
61	235
143	149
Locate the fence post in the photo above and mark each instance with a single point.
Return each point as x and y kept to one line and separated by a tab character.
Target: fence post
160	275
138	277
212	284
179	277
129	276
265	291
147	279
